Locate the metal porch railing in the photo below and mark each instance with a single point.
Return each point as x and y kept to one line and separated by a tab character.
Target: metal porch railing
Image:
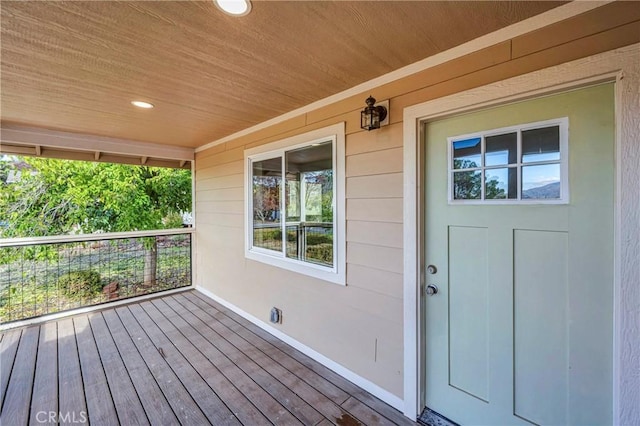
40	276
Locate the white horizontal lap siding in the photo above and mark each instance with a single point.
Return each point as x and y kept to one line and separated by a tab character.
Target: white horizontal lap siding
357	327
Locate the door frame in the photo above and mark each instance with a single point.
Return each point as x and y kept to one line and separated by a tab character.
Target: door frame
621	66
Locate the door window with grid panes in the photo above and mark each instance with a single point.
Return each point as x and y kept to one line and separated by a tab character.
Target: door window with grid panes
518	164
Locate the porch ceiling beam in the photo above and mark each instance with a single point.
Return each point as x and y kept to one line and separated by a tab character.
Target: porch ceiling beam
16	149
45	138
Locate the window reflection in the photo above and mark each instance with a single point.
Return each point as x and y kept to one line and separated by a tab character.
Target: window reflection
541	144
515	165
466	153
309	195
501	149
267	178
541	182
501	184
467	185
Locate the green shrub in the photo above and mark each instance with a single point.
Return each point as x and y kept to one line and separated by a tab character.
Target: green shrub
322	253
315	239
172	220
261	234
81	284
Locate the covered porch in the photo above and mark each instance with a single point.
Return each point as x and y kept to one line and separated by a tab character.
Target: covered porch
174	359
234	93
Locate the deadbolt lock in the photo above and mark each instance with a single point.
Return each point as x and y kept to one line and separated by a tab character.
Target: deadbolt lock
432	269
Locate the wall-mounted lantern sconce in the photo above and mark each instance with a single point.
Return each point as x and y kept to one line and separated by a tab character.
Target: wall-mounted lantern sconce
372	116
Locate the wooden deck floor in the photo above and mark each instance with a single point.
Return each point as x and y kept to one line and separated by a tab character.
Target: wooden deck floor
176	359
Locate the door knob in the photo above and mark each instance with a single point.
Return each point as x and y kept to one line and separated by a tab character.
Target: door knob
431	290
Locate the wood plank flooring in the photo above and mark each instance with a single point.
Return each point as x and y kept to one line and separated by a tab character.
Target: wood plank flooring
176	359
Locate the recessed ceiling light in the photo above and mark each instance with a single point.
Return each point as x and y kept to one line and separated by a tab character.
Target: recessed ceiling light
234	7
142	104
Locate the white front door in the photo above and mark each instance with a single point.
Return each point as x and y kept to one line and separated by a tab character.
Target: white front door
519	232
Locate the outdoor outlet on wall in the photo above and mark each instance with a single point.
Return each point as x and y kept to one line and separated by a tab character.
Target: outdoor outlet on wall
276	316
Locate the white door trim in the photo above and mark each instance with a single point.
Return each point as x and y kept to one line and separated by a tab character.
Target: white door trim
623	67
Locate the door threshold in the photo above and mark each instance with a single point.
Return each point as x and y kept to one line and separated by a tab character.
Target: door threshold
432	418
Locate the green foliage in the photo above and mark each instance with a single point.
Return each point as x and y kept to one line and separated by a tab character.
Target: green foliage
322	253
58	197
327	197
266	198
5	166
468	185
18	302
263	234
41	252
81	284
35	291
313	239
172	220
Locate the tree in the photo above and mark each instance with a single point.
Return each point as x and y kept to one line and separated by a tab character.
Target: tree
266	198
58	197
322	180
468	185
5	166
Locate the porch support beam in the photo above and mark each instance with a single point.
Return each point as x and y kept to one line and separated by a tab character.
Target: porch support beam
13	134
17	149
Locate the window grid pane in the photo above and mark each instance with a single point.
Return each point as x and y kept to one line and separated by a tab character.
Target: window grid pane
501	149
467	185
467	153
541	144
305	196
266	182
514	165
541	182
501	183
309	222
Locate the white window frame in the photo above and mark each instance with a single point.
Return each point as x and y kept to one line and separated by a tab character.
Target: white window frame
335	134
562	123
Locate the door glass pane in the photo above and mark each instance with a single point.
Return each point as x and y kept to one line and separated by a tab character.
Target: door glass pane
467	185
309	192
541	144
501	149
541	182
501	184
267	178
466	153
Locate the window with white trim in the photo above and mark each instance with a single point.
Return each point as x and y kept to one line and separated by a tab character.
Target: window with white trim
294	193
519	164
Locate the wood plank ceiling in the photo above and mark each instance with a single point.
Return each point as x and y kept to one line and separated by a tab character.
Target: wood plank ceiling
76	65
